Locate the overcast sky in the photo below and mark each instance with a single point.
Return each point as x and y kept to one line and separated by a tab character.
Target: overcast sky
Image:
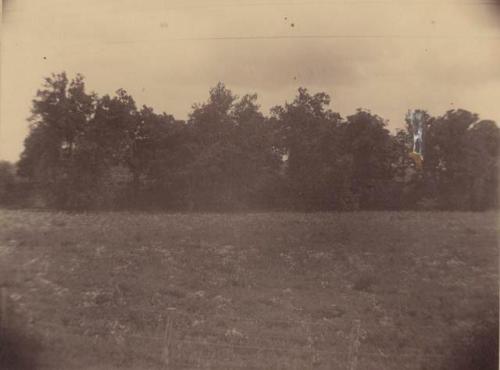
386	56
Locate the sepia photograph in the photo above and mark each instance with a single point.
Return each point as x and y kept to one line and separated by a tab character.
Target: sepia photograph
249	184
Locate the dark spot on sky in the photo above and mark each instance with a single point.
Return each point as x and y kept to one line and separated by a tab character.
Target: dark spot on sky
45	58
292	25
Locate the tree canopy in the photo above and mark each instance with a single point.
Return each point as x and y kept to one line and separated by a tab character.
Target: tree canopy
86	151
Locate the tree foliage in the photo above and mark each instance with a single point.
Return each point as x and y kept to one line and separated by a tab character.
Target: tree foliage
87	151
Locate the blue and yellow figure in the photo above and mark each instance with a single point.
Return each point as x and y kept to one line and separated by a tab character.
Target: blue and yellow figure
416	119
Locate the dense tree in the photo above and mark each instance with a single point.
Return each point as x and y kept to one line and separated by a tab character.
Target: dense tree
461	160
162	152
115	133
482	161
375	155
310	135
60	114
233	159
7	181
85	151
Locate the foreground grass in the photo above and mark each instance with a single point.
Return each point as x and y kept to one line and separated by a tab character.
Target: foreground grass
268	291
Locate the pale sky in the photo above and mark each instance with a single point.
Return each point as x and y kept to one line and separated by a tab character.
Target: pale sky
386	56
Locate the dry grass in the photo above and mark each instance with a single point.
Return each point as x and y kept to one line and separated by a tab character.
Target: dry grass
255	291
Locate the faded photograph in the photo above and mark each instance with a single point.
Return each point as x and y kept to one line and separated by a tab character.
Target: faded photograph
249	184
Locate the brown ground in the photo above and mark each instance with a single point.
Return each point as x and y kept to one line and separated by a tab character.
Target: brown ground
370	290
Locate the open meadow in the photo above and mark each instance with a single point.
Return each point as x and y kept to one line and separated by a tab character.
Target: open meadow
366	290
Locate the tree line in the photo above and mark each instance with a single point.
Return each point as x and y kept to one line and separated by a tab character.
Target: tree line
86	151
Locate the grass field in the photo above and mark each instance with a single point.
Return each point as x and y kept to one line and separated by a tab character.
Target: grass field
369	290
